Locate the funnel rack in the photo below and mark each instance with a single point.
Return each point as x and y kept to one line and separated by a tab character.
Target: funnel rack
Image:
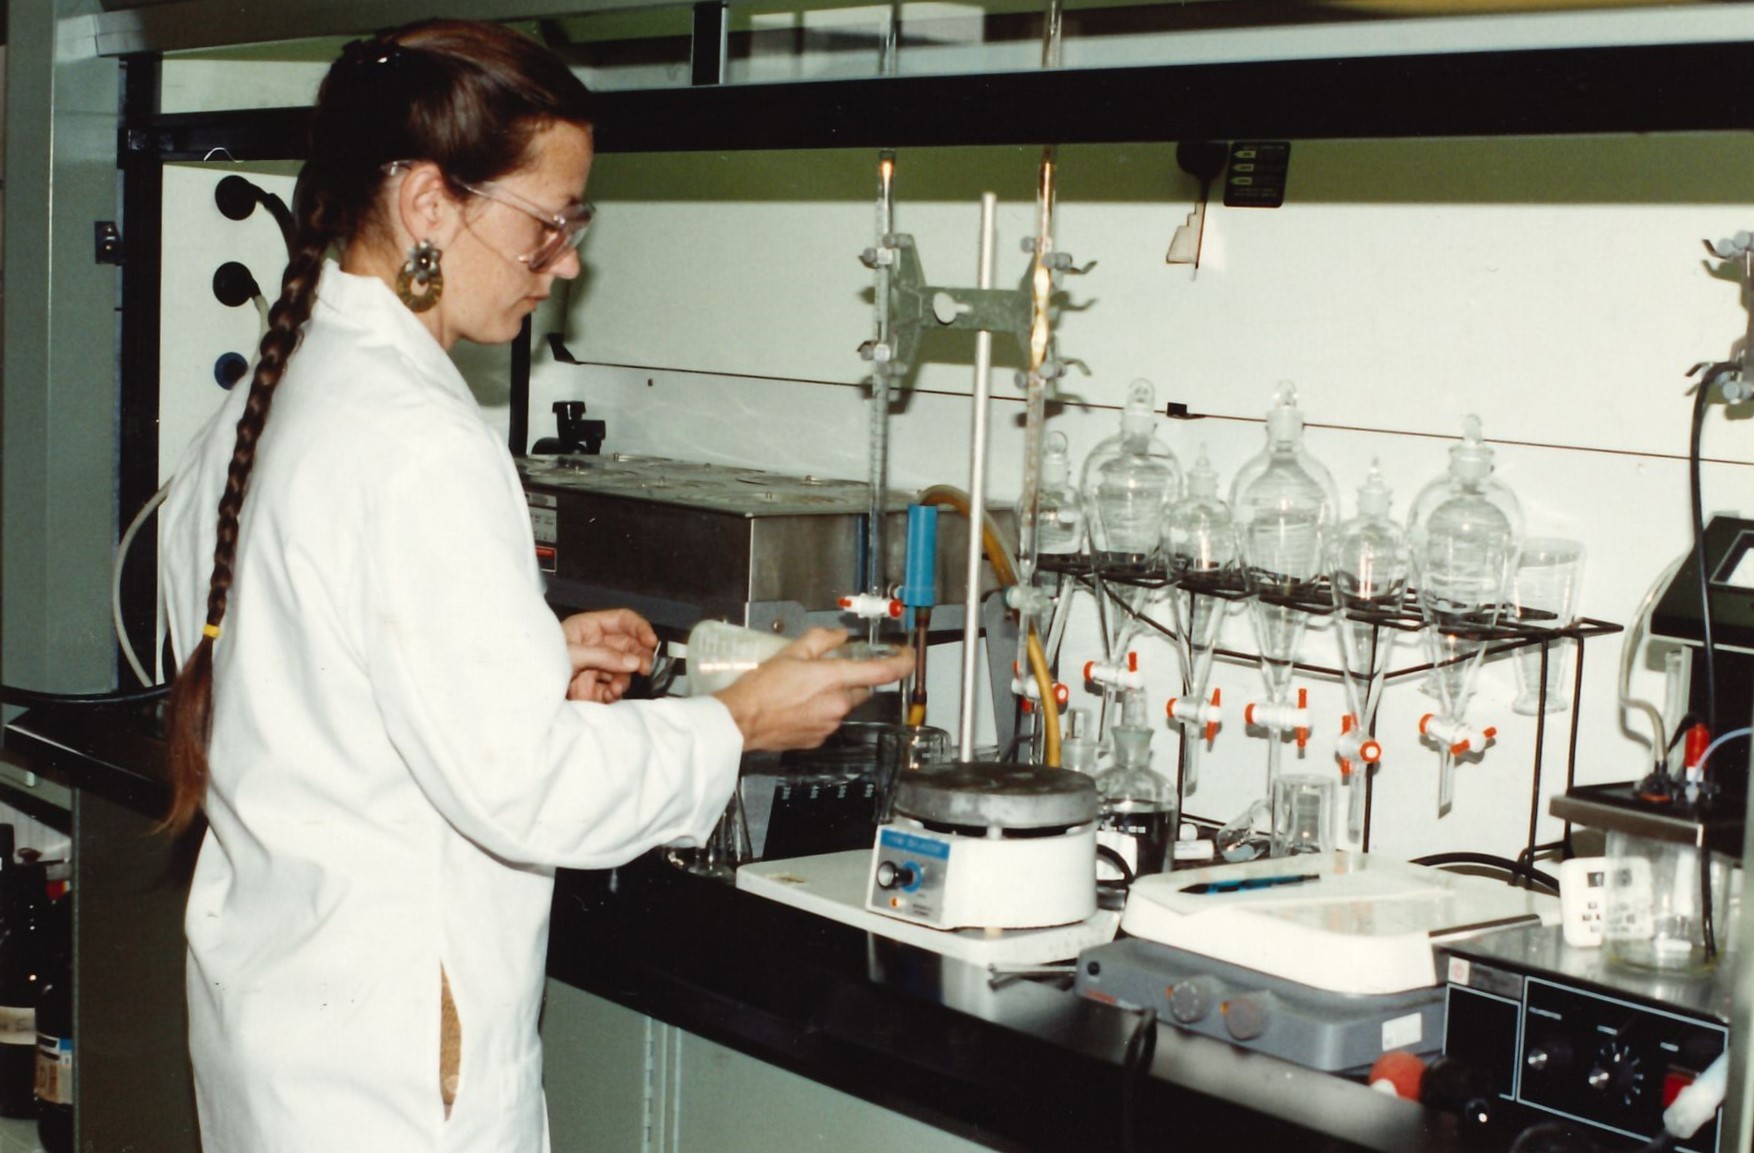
1315	597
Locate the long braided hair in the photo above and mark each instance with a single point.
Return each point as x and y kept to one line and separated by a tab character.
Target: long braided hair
467	96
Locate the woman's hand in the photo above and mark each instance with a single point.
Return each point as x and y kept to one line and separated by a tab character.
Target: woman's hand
795	699
607	648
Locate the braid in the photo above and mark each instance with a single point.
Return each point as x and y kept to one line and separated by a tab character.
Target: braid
190	716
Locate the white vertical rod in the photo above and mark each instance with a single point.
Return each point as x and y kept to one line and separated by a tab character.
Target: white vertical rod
977	489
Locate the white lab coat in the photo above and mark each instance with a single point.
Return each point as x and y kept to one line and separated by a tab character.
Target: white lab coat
395	769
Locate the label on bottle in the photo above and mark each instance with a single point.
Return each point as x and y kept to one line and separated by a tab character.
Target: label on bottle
54	1084
18	1026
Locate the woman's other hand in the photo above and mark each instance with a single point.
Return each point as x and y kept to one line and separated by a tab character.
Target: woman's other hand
795	700
607	648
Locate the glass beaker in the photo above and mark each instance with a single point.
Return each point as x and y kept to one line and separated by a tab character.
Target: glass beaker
1303	815
1665	905
1544	593
903	749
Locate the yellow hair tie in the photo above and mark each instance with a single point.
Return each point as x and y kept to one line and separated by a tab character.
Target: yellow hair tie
210	631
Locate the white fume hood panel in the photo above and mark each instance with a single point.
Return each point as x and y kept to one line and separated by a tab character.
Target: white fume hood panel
1550	286
195	328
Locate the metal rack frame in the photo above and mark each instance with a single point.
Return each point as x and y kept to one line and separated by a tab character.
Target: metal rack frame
1316	599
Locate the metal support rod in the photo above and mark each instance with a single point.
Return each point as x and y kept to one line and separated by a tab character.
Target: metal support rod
977	487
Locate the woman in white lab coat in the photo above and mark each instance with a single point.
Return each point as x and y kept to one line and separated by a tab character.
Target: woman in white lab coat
393	740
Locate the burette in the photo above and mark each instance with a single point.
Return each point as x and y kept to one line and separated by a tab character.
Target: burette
879	446
1041	288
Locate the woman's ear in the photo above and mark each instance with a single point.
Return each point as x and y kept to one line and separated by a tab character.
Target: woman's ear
425	207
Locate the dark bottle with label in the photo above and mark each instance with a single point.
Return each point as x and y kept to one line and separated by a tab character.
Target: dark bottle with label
54	1060
22	894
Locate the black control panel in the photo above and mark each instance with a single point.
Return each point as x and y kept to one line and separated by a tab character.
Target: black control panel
1560	1031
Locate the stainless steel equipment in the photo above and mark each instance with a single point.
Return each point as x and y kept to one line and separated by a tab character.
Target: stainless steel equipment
682	541
1562	1031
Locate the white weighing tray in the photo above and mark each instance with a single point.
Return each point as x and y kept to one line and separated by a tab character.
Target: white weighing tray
833	886
1367	926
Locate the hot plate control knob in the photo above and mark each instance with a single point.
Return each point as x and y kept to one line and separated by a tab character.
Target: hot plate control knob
1247	1017
1191	999
1599	1079
1549	1055
893	876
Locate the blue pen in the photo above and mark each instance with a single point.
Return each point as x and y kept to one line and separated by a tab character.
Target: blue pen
1244	884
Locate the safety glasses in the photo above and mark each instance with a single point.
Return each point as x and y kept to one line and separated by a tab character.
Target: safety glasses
561	231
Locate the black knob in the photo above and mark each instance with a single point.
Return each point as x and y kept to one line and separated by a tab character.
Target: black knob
236	197
892	876
1548	1055
1454	1086
233	285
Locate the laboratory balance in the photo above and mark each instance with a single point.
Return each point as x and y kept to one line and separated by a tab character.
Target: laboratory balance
984	861
1329	973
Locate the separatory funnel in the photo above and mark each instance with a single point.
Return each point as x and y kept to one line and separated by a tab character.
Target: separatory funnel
1059	518
1199	540
1368	566
1283	501
1464	529
1127	486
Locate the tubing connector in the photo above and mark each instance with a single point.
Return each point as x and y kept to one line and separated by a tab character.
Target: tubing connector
1280	718
1458	735
1115	674
1190	711
870	606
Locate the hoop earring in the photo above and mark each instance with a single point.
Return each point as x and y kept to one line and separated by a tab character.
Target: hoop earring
420	282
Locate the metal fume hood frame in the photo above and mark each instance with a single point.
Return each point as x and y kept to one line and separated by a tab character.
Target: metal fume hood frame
1590	87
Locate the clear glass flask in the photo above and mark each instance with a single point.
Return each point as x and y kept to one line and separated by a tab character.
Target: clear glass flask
1128	483
1463	530
1059	525
1368	567
1138	816
1199	539
1283	502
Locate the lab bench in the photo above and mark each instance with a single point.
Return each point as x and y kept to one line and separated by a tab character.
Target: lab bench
684	1011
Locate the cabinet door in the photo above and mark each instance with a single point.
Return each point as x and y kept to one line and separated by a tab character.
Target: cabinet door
133	1085
596	1072
619	1082
731	1103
